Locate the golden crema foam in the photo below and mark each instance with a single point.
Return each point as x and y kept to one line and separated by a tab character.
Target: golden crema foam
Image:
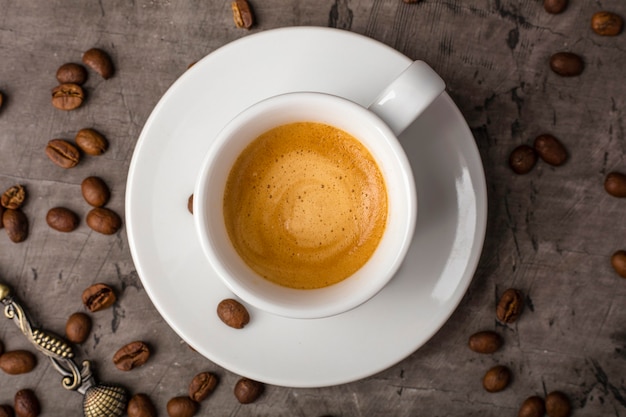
305	205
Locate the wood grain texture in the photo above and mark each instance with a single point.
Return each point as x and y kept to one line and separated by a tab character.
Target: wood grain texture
550	232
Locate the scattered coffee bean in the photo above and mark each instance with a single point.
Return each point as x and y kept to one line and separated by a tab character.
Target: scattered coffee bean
95	191
550	149
17	362
247	391
567	64
522	159
91	142
103	220
615	184
6	411
618	262
202	385
77	328
510	306
99	61
558	405
13	198
182	407
497	378
190	204
140	405
15	223
62	219
98	297
67	96
62	153
554	6
26	404
607	23
532	407
242	14
71	73
485	342
131	356
233	313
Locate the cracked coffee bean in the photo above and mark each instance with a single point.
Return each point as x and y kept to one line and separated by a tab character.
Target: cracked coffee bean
62	153
77	328
99	61
558	405
15	224
497	378
607	23
550	149
98	297
233	313
131	356
242	14
14	197
91	142
140	405
510	306
615	184
522	159
202	385
62	219
567	64
182	407
618	262
555	6
95	191
71	73
67	96
532	407
103	220
26	404
485	342
248	391
16	362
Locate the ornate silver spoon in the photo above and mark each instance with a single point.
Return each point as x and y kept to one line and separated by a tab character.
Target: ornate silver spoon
100	400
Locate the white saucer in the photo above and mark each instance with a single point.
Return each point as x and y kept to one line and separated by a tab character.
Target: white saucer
185	290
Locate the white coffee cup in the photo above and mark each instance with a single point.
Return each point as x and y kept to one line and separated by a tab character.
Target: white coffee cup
377	128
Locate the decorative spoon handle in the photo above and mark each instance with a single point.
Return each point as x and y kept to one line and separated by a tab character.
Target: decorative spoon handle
100	400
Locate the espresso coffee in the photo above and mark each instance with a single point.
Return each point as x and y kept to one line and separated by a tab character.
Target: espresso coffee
305	205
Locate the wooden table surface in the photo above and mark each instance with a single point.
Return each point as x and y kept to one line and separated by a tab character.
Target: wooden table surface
550	234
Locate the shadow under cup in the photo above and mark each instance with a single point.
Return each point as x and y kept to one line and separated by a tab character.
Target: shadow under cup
208	209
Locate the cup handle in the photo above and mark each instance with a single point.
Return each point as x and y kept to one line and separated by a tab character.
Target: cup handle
408	96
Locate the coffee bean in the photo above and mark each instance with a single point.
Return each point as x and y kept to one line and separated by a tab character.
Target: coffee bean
13	197
91	142
67	96
6	411
182	407
15	224
554	6
247	391
77	327
497	378
550	149
62	219
62	153
618	262
103	220
558	405
567	64
485	342
98	297
140	405
532	407
607	23
202	385
71	73
95	191
510	306
615	184
233	313
26	404
99	61
522	159
17	362
190	204
131	356
242	14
